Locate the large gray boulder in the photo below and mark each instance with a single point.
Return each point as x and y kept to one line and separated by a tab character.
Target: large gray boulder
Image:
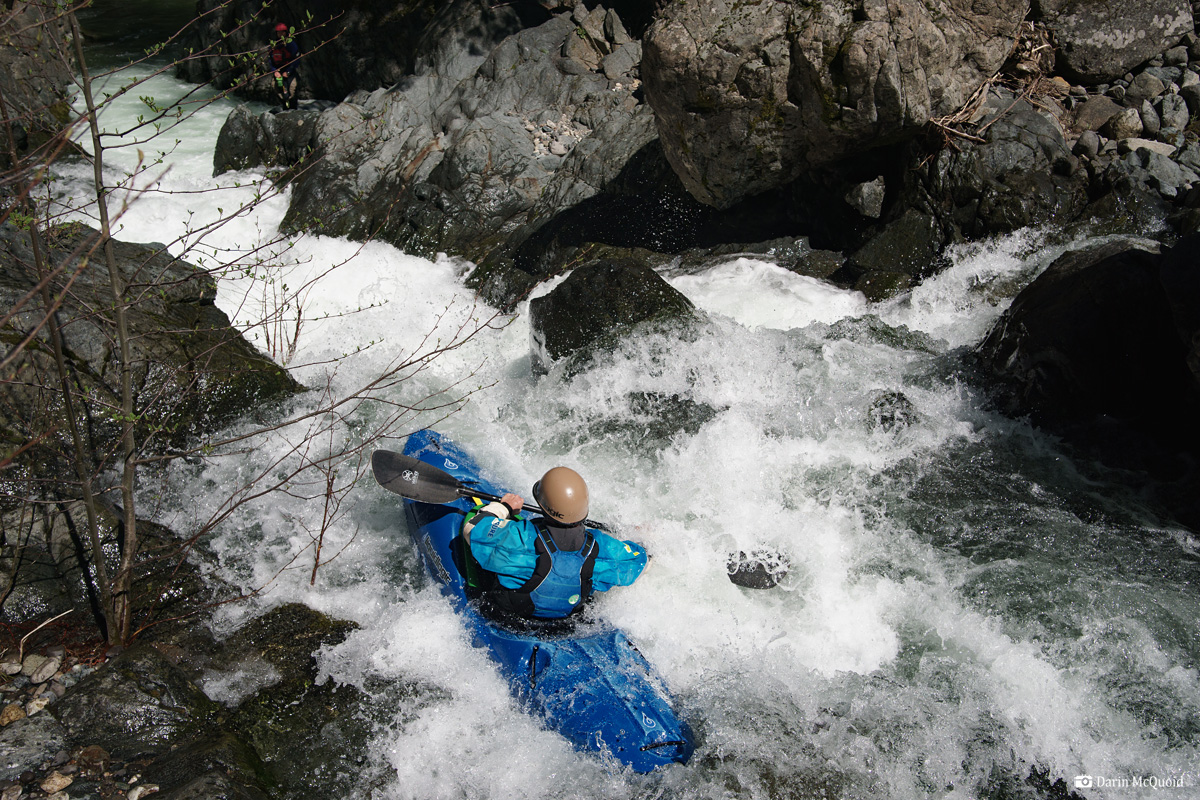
248	140
750	95
191	369
1104	349
473	164
1099	40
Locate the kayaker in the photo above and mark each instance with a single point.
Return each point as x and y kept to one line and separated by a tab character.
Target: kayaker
282	58
547	567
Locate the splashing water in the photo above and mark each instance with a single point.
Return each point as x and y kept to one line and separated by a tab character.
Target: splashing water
965	614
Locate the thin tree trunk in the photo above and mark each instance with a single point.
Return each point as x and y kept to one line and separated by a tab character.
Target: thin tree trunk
119	616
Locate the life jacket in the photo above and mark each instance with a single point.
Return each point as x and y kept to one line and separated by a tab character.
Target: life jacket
283	57
561	581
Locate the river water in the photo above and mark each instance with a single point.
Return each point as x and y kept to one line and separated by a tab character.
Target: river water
965	607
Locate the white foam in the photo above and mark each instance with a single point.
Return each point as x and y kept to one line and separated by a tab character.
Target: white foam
762	294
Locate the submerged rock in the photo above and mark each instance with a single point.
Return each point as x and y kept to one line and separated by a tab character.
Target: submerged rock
760	569
890	412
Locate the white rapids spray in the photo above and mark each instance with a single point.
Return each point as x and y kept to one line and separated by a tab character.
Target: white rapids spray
962	612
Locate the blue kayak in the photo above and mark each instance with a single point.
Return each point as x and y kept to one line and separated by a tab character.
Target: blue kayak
585	679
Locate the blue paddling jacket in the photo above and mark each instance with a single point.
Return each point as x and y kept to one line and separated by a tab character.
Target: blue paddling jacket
549	571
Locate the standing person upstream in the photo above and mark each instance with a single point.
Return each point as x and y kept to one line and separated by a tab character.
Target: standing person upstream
282	58
548	567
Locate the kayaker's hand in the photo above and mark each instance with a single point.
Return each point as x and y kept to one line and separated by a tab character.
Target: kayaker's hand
513	501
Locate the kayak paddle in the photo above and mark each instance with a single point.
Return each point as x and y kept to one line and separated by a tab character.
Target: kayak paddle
414	479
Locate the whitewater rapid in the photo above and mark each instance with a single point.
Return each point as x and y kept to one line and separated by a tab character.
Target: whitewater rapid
963	607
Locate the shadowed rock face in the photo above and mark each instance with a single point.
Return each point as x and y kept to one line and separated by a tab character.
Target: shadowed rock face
344	46
1104	349
191	369
34	79
749	96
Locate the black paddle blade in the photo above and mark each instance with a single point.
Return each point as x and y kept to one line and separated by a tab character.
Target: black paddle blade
412	478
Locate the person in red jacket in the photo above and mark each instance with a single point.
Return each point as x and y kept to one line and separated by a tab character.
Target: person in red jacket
282	58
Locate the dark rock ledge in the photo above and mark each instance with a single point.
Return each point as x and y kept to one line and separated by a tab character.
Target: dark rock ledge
140	722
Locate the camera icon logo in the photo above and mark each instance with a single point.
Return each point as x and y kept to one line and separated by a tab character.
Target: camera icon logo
1083	781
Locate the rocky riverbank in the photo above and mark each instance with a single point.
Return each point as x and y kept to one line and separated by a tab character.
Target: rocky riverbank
183	715
517	150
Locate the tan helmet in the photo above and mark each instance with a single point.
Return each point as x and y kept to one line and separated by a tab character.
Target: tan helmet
563	495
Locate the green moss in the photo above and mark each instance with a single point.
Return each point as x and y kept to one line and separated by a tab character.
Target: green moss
769	114
61	112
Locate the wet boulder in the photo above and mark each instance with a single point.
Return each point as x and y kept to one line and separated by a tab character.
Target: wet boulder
215	765
192	370
1076	342
1100	40
138	704
904	250
890	412
1104	348
597	302
48	565
287	638
248	140
748	96
310	737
